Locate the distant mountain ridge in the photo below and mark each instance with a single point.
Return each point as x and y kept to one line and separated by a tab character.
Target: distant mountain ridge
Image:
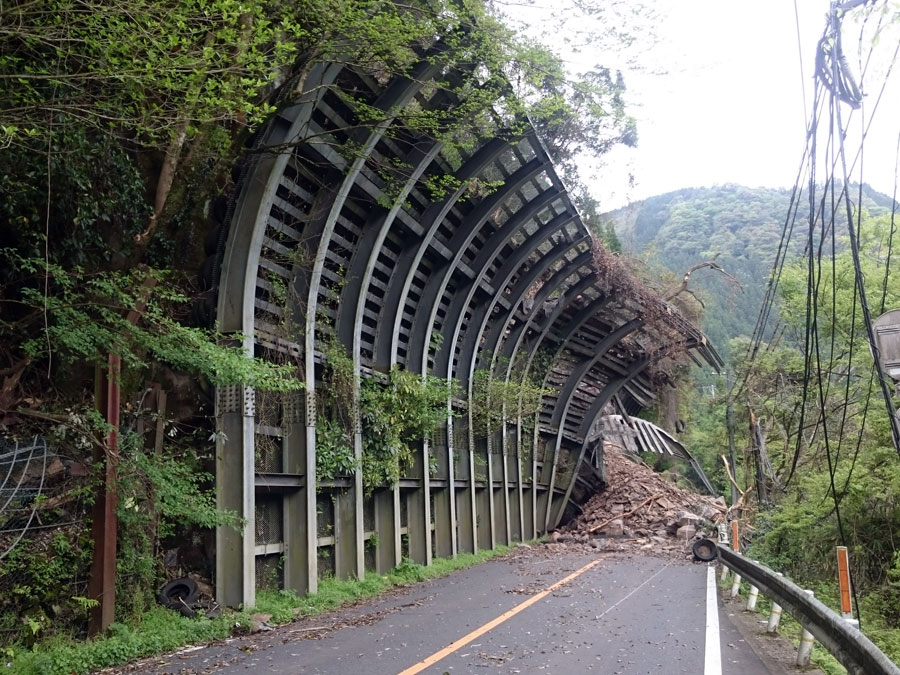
739	224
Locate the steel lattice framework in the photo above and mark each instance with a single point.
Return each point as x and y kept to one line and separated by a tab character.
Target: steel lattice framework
503	276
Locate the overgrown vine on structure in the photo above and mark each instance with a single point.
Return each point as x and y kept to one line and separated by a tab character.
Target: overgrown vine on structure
397	413
497	400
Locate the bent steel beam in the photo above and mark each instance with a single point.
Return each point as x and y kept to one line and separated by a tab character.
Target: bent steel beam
599	403
568	331
568	391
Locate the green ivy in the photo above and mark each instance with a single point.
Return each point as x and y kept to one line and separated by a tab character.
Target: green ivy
395	415
496	400
334	450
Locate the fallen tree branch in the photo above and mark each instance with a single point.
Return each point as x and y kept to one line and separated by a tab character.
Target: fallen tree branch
730	477
711	264
625	515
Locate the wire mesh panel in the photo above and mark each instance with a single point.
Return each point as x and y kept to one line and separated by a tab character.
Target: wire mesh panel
23	474
326	561
268	453
270	572
325	515
269	520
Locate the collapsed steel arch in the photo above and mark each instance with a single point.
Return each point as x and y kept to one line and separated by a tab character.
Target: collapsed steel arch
322	241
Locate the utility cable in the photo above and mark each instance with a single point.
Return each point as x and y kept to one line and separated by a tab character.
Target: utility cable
813	128
887	264
774	275
884	285
864	304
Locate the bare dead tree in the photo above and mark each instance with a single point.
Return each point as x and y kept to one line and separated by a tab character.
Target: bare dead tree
711	264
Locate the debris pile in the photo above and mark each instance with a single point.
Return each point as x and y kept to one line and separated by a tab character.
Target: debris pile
191	595
640	510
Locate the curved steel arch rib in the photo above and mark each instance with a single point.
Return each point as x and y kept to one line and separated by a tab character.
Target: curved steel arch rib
611	389
514	341
235	464
463	297
387	335
523	284
482	314
423	323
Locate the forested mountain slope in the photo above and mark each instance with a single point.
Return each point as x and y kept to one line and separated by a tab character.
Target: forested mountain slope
740	225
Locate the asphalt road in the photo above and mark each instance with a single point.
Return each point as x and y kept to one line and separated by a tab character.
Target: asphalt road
617	615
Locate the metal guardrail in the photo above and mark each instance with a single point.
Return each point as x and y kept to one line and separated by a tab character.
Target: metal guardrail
845	642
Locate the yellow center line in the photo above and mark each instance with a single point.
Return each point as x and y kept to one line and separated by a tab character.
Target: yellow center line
493	623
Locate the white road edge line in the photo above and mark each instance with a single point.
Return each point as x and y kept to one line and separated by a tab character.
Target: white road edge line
713	664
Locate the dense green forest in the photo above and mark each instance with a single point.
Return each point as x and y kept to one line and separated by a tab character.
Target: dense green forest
739	227
826	472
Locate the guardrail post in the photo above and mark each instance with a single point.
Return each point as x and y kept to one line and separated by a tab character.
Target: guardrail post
806	643
774	615
819	622
754	594
843	561
736	545
723	539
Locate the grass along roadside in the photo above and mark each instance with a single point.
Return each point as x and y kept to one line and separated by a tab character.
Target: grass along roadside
788	628
878	627
161	630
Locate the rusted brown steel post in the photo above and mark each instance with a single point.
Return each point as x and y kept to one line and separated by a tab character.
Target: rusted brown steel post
102	585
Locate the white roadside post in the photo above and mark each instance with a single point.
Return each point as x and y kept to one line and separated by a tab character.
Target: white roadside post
722	530
774	615
806	644
754	594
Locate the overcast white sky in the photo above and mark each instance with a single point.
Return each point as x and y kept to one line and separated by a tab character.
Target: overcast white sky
728	106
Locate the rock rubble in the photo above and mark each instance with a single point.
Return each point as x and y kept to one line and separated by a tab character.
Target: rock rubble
639	510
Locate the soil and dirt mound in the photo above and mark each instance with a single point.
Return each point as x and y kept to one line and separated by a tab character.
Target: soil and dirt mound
640	510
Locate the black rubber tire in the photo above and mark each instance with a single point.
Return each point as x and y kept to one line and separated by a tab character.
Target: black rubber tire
705	550
179	592
189	612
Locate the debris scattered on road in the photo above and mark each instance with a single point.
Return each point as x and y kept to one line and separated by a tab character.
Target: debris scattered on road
639	510
260	623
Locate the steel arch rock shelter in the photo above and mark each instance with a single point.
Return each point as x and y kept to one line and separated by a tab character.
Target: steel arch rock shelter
320	238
